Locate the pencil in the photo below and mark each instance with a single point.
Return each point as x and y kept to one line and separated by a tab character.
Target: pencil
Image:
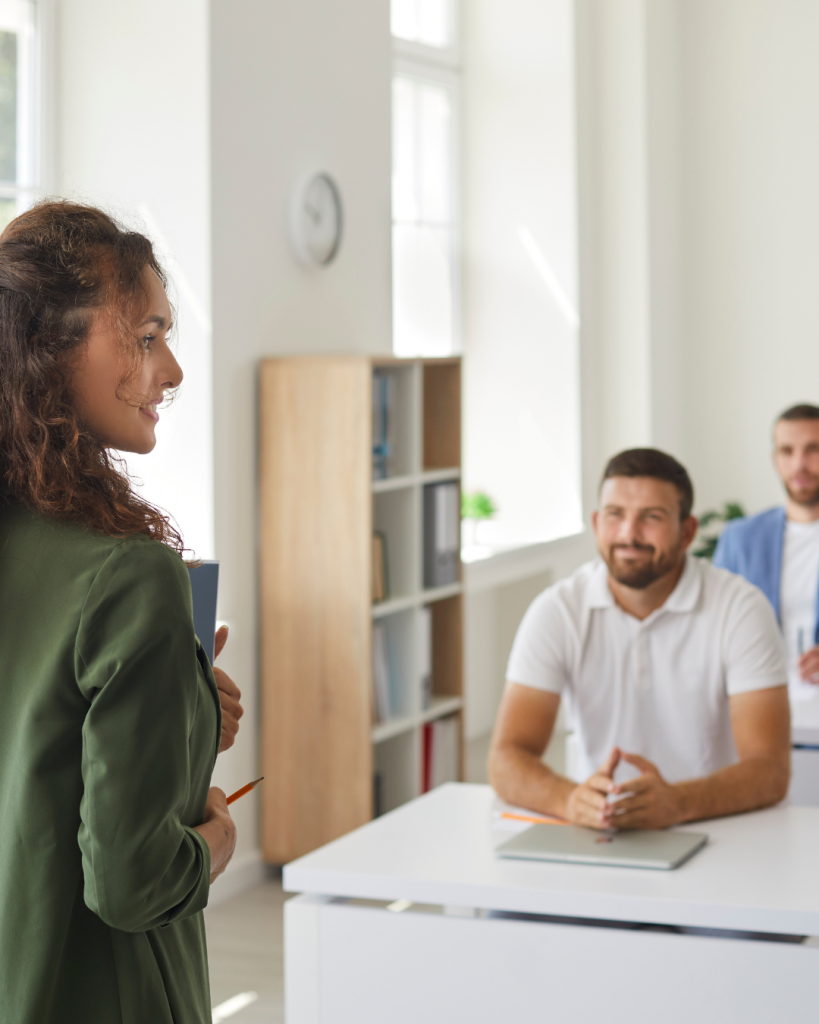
243	790
535	820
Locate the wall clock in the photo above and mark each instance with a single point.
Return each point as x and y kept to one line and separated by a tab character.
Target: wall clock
316	219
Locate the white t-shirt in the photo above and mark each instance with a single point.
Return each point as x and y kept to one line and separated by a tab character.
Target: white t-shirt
797	599
657	687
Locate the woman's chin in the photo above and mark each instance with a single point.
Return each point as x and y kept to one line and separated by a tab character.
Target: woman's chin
141	445
147	445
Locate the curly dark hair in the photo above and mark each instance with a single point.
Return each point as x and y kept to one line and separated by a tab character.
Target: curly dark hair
62	265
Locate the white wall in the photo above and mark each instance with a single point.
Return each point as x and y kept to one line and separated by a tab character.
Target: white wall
133	136
749	251
699	156
294	86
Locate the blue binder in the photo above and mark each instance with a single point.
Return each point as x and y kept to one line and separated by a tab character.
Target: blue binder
204	588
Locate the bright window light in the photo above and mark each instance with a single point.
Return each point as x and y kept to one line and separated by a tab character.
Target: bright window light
422	290
18	107
423	244
232	1006
399	906
429	22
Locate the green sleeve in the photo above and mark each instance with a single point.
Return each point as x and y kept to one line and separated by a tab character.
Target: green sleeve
136	663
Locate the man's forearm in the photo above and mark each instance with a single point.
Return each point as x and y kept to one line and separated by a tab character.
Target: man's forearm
753	783
521	778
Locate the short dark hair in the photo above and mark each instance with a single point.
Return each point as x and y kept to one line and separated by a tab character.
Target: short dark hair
803	411
657	465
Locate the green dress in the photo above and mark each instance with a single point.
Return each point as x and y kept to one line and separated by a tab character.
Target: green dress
109	730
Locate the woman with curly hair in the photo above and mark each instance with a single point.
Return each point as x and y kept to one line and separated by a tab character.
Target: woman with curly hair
110	716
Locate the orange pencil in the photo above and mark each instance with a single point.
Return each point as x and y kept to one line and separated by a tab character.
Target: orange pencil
243	790
532	818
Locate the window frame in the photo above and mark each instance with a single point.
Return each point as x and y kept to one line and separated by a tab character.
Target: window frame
447	56
440	66
41	113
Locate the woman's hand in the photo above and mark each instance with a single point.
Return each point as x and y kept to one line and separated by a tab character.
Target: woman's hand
218	831
229	695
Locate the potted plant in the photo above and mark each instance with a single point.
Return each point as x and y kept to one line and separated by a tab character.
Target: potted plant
475	506
711	524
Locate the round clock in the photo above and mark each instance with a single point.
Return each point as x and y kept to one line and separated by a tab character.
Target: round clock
315	219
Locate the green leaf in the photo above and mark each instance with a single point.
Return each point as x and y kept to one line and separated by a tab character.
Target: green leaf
477	505
707	548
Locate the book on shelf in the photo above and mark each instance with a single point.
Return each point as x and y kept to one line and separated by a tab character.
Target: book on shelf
378	794
381	674
425	655
381	583
442	533
440	753
383	423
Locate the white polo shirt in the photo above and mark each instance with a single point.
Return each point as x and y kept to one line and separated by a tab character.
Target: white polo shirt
657	687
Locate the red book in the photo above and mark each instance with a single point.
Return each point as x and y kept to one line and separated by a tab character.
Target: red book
426	766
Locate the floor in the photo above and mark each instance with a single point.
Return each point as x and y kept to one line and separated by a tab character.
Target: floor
245	944
245	951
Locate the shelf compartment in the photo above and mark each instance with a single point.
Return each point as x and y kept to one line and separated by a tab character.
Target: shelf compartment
434	476
397	604
394	483
442	413
439	708
402	648
402	389
436	594
396	769
429	476
441	533
395	514
447	647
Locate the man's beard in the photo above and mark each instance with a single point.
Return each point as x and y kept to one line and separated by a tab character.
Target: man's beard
808	498
638	577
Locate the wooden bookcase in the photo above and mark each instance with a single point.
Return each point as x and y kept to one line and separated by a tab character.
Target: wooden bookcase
319	507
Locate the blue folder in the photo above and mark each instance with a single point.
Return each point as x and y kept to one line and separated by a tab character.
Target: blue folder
204	588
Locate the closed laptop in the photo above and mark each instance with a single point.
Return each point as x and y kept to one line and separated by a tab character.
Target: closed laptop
661	850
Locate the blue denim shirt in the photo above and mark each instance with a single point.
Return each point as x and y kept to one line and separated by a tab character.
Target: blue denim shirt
752	548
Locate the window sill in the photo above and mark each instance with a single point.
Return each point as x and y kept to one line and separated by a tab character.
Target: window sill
487	566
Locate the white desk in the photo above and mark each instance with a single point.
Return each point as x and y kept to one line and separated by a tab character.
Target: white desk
443	960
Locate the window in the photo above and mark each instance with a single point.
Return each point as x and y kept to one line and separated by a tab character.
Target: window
429	22
520	290
20	106
426	317
500	254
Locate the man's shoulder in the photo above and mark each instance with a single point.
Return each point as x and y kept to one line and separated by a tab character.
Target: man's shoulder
572	592
751	527
553	617
723	586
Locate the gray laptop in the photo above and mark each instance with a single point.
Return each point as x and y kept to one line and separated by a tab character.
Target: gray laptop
630	849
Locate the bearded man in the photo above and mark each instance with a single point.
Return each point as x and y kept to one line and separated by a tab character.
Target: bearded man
674	672
778	550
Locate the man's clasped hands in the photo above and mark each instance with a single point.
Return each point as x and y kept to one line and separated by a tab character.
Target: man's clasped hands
647	801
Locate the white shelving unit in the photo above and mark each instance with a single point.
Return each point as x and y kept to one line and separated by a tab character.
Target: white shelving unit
398	514
440	707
